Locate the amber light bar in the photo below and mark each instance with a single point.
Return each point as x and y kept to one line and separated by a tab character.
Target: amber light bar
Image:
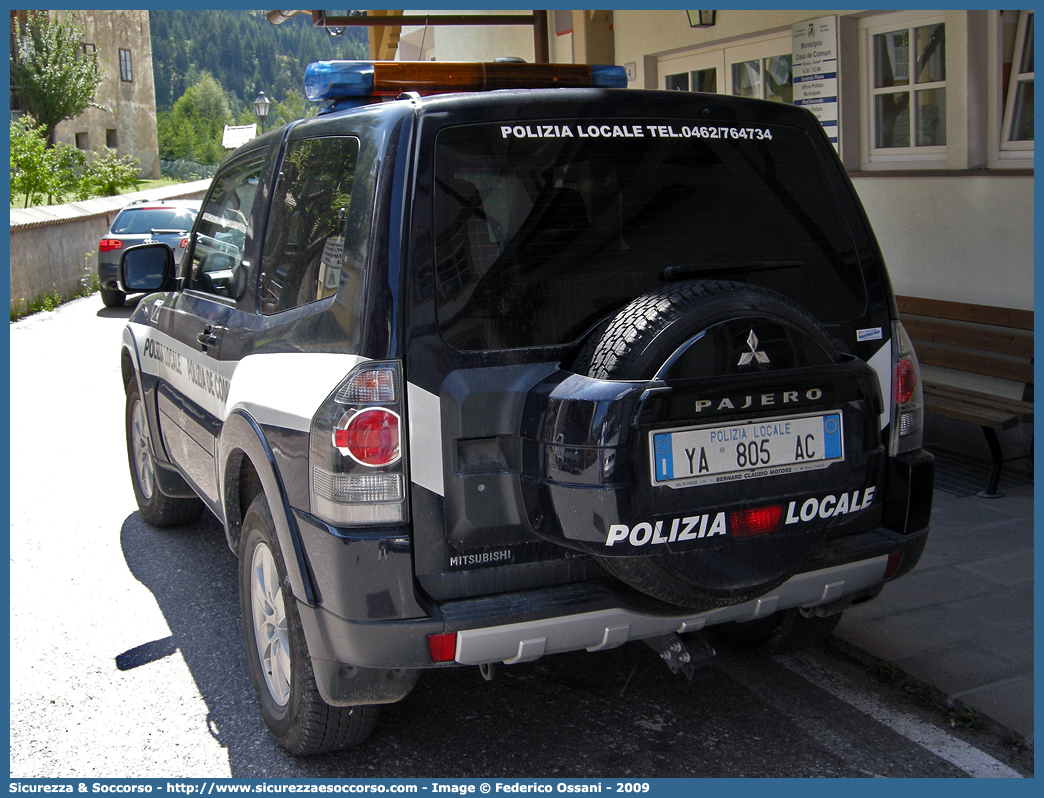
389	77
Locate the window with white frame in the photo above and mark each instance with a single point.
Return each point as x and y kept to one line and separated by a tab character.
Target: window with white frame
906	80
760	69
704	71
1017	129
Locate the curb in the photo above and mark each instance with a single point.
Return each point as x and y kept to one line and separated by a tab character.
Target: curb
869	660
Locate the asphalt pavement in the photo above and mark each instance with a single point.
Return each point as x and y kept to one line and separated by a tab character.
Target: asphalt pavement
962	621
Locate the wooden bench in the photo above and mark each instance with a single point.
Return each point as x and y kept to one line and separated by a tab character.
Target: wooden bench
978	339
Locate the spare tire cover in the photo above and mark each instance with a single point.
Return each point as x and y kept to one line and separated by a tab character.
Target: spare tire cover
648	338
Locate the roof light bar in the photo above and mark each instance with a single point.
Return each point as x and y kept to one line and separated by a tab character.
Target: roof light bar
333	80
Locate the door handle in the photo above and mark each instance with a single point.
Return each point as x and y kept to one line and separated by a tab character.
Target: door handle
207	337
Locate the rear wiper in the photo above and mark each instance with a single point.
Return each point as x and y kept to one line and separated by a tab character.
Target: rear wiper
159	231
683	271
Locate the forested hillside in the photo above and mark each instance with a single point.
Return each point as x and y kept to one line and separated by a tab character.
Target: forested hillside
243	51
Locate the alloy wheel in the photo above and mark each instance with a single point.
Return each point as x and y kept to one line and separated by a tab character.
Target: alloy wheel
270	627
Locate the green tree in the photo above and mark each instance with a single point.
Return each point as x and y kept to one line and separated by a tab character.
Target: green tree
56	79
39	171
28	154
242	50
107	174
193	128
294	107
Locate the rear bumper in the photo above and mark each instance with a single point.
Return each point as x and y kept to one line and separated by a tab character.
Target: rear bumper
524	626
107	275
388	649
605	629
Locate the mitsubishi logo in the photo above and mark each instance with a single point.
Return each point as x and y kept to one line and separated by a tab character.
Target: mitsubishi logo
747	357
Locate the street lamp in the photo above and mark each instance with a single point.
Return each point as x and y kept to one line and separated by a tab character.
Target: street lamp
701	19
261	106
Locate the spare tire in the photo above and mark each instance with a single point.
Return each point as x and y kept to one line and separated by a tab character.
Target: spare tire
654	337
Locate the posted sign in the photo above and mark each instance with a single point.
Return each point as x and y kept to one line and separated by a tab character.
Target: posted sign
814	51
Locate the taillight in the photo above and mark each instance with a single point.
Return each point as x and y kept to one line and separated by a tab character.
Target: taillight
907	397
370	384
370	437
357	470
107	244
905	381
184	243
754	521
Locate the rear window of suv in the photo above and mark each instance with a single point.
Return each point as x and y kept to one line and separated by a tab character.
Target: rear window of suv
541	230
145	220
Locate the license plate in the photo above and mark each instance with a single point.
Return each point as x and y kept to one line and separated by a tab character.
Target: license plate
751	450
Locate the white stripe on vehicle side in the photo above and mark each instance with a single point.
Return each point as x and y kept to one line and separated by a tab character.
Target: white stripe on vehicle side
200	378
425	423
280	390
285	389
881	362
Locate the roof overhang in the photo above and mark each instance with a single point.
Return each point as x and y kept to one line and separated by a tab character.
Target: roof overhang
396	19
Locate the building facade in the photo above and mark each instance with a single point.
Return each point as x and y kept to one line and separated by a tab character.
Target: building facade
932	113
120	44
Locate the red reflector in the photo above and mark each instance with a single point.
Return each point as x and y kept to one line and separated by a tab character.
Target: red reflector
893	564
443	648
755	521
370	437
107	244
905	381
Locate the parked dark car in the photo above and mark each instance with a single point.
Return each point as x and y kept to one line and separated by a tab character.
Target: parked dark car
141	222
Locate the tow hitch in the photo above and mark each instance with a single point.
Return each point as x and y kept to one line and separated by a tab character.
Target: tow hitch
679	656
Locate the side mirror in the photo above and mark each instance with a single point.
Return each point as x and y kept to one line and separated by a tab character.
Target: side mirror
146	268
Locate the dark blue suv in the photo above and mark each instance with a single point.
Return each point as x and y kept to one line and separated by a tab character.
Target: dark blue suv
489	362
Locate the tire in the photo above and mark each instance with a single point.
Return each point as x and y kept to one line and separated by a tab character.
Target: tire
641	337
112	298
780	633
158	510
280	668
649	338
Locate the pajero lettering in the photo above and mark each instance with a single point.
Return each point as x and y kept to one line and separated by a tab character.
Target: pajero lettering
761	400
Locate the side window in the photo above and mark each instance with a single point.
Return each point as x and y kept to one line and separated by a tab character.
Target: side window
303	255
224	227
